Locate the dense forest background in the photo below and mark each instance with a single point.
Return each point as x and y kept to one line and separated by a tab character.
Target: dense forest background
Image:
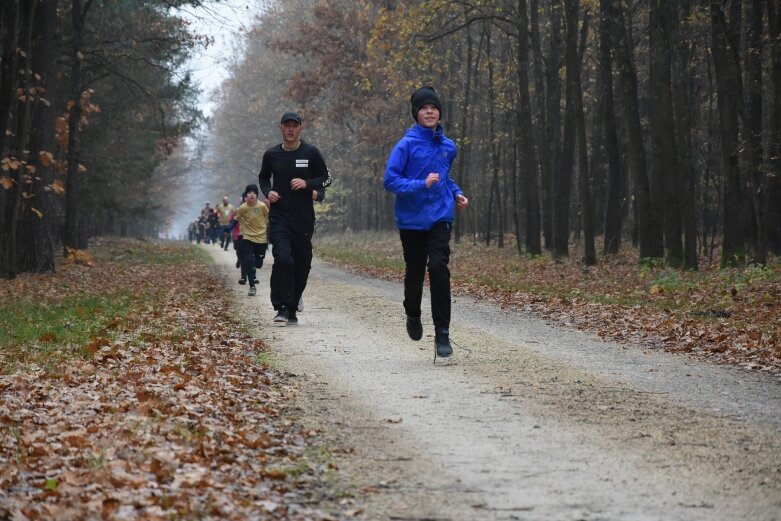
93	100
583	126
602	121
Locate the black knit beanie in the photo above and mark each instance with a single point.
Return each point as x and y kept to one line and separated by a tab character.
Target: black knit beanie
422	96
251	188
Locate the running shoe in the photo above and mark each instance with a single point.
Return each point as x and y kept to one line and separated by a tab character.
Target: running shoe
442	343
243	280
252	291
414	328
281	318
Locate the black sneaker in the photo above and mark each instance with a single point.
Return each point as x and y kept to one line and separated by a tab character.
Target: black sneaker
281	318
442	343
252	291
243	280
414	328
292	319
255	281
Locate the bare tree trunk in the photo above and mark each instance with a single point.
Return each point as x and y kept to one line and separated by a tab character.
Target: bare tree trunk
494	163
728	91
664	156
614	214
37	225
586	212
553	122
8	64
684	111
649	231
774	134
528	157
753	134
465	109
8	78
564	165
20	174
542	146
72	239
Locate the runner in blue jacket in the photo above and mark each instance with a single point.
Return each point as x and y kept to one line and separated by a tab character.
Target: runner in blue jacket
418	172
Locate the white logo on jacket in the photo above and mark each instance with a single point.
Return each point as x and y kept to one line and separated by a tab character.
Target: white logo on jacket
302	163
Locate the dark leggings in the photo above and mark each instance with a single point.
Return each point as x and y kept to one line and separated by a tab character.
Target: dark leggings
433	246
252	258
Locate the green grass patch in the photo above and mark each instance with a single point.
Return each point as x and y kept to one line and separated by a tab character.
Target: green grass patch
45	333
266	360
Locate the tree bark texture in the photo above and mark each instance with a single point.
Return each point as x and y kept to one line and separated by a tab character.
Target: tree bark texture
664	157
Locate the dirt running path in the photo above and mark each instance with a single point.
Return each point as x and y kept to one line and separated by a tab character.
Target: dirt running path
525	421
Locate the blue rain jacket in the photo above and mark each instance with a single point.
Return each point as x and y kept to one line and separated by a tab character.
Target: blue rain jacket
420	152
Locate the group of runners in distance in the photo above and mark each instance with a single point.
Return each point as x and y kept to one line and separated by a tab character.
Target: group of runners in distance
209	227
279	210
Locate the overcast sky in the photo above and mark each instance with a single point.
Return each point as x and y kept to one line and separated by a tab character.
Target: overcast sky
226	22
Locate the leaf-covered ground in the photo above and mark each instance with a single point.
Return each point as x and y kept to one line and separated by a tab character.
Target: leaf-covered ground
165	411
729	316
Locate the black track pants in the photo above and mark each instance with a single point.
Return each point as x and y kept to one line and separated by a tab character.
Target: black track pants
292	249
420	247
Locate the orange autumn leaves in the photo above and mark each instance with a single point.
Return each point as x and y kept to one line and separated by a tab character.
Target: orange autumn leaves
172	416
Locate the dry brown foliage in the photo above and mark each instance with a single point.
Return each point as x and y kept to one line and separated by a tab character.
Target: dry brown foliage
170	417
730	316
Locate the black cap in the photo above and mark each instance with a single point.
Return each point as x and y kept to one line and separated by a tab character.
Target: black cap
421	97
291	116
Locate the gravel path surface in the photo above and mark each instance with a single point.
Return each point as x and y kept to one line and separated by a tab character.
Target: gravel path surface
525	421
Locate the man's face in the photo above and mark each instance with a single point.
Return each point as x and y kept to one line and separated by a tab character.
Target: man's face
224	200
291	130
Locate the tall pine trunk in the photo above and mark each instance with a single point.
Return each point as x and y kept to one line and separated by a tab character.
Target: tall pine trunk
664	156
614	213
648	230
462	127
565	163
73	238
774	133
584	184
18	146
9	26
685	110
37	226
528	157
728	92
753	133
552	122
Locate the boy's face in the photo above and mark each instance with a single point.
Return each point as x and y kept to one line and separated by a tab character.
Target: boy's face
291	131
428	116
252	198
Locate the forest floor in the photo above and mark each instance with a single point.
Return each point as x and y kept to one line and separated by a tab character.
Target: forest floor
141	385
730	316
131	390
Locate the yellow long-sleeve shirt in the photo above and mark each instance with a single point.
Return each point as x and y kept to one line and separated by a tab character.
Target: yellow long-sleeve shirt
254	222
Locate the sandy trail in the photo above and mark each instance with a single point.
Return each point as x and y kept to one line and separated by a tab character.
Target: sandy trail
525	421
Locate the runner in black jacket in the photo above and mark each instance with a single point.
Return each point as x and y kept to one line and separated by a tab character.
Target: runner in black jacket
288	174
